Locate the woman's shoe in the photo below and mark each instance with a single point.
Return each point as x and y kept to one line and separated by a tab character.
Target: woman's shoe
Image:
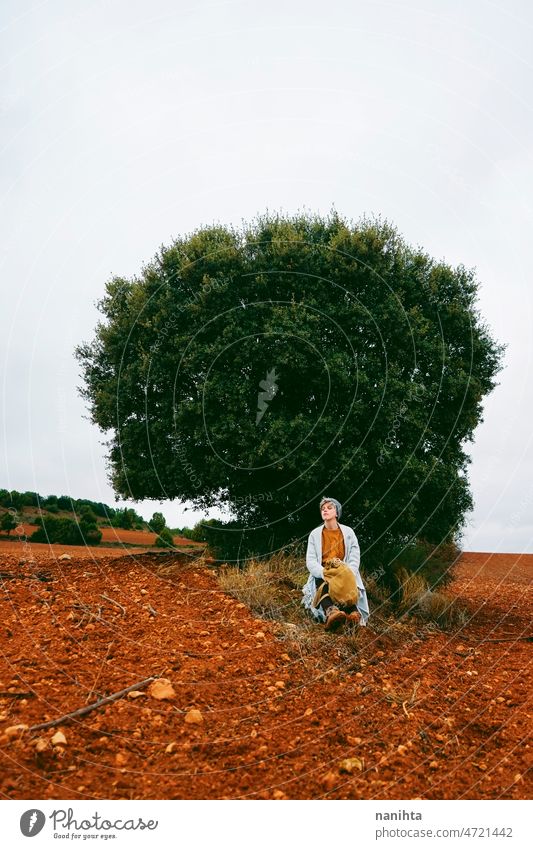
353	618
335	619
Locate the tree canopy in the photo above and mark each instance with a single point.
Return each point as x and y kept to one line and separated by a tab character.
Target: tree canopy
262	368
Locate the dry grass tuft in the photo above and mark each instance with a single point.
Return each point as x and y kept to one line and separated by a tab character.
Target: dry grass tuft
430	605
440	608
270	588
412	588
403	697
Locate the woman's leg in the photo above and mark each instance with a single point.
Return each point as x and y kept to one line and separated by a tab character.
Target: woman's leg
335	618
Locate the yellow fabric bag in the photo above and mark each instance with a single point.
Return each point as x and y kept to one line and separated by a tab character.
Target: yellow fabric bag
342	586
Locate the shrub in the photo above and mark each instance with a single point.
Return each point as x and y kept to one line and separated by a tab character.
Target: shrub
157	523
87	515
92	534
8	522
66	532
164	539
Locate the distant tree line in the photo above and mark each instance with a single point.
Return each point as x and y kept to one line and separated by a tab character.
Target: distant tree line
83	529
122	517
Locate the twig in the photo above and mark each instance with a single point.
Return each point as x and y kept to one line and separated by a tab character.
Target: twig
92	690
508	640
112	600
7	694
39	576
81	711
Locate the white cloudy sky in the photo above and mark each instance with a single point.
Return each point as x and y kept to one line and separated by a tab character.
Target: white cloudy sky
126	123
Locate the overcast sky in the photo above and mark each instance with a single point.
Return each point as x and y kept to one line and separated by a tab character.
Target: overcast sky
127	123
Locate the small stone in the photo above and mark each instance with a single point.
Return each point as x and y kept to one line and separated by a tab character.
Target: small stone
194	717
278	794
433	765
59	739
308	712
402	750
135	694
144	592
280	685
330	780
350	764
260	635
162	689
15	730
171	747
65	557
40	744
121	758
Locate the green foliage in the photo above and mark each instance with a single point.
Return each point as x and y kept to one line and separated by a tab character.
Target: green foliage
66	531
205	530
164	540
87	514
126	519
259	370
433	563
8	522
90	533
157	523
13	499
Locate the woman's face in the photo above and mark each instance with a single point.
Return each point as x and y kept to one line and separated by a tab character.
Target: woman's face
328	511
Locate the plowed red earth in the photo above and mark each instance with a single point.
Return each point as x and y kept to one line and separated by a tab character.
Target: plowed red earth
274	721
109	535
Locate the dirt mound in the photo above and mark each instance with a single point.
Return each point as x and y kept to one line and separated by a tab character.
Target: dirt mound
249	710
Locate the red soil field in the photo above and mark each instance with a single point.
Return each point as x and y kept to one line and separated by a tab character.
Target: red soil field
109	535
430	715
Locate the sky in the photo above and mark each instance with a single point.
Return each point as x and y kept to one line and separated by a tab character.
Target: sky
126	124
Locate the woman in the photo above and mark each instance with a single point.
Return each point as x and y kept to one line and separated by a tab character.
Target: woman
326	541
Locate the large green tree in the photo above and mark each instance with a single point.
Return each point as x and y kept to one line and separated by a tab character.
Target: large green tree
260	369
